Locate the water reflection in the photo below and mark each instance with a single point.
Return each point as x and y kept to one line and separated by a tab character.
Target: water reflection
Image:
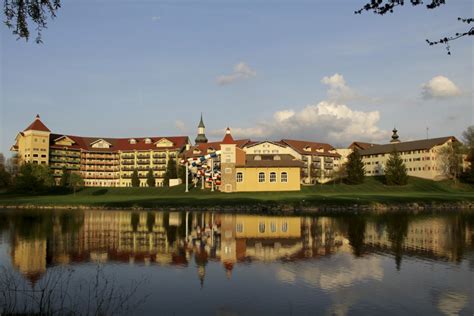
40	239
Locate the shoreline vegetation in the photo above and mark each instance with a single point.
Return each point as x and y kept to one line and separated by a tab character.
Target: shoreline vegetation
372	195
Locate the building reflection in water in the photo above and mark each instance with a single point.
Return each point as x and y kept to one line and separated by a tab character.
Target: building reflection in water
196	238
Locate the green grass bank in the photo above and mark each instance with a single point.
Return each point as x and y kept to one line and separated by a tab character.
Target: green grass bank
371	192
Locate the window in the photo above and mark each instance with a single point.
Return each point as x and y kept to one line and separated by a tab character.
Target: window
261	177
239	227
284	227
228	170
273	177
239	177
273	227
284	177
261	227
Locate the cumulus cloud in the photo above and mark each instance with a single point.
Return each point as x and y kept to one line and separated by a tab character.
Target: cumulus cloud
241	71
338	89
439	87
328	121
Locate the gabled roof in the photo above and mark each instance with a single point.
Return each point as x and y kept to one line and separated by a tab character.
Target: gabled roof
407	146
277	143
314	147
37	125
123	144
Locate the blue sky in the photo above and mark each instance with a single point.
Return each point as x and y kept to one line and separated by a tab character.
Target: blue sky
138	68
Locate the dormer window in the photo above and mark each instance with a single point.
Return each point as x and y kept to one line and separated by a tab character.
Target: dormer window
276	157
132	141
196	151
258	157
210	150
101	143
147	141
307	148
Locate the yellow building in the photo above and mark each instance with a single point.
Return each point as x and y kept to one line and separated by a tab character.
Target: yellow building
241	172
104	162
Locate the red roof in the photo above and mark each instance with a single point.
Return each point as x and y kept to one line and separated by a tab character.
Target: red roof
122	144
203	148
37	125
228	139
311	148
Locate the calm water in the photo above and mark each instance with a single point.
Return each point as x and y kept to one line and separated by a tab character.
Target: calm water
208	263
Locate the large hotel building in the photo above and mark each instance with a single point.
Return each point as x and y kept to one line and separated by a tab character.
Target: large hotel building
106	162
246	165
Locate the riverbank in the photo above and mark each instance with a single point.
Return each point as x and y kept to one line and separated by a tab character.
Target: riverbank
372	195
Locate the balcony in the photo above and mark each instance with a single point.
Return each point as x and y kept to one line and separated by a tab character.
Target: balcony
328	159
143	156
163	155
143	162
328	166
127	168
128	162
159	168
128	156
159	161
316	165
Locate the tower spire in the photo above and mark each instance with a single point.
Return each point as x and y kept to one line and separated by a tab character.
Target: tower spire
201	136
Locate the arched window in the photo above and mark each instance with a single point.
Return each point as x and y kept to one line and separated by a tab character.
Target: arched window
284	177
239	177
261	177
273	227
273	177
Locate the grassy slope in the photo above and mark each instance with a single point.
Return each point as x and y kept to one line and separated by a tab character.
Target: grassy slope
418	190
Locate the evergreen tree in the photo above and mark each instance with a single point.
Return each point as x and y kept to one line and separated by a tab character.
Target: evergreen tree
64	181
182	173
150	178
395	170
355	168
171	171
135	178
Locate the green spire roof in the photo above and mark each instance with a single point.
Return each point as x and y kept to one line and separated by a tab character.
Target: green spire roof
201	122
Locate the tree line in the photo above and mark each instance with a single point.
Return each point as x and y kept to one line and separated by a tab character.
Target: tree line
35	178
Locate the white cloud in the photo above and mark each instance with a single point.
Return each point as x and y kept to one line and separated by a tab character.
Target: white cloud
327	121
155	18
338	89
180	125
241	71
439	87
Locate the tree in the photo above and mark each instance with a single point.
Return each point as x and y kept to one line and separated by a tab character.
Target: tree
19	12
75	182
135	178
2	160
171	171
468	138
450	157
182	173
355	168
65	175
150	179
395	170
382	7
5	178
34	178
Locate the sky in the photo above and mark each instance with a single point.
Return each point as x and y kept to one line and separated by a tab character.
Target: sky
267	69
